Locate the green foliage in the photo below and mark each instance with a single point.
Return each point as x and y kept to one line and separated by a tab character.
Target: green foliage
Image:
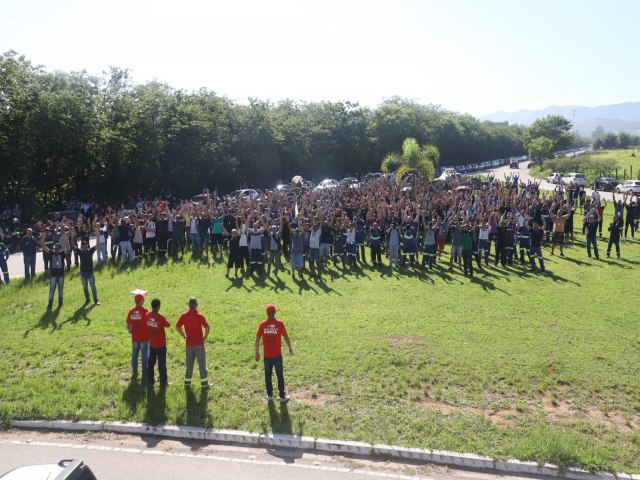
540	149
414	158
70	136
554	128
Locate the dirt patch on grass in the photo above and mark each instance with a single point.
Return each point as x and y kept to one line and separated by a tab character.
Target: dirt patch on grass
560	409
312	396
502	418
407	341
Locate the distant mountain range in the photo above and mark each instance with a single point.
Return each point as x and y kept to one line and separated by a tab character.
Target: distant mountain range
612	118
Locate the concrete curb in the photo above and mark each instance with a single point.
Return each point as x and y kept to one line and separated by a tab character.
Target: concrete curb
441	457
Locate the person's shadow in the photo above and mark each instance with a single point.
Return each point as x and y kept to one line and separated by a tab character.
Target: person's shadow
156	408
280	422
197	414
48	319
133	394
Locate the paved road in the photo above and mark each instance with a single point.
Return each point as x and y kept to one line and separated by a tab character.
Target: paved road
523	173
114	457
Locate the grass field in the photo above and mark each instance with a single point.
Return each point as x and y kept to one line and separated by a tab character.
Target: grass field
628	166
542	367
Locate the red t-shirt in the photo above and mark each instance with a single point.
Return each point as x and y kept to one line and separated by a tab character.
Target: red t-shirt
137	320
156	324
271	332
193	323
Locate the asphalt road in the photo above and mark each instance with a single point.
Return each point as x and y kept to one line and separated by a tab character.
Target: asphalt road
114	457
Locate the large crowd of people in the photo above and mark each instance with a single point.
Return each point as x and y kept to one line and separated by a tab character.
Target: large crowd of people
502	221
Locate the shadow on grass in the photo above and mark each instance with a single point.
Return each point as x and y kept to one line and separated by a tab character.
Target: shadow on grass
278	284
133	394
322	284
487	285
196	414
48	319
303	285
281	425
156	408
81	313
237	282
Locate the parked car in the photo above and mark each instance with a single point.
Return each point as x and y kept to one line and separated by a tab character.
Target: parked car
349	181
555	177
372	176
495	163
606	184
575	179
514	164
328	183
244	193
629	186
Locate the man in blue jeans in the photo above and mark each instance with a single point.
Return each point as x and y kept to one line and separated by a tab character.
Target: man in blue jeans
86	270
29	244
271	331
56	271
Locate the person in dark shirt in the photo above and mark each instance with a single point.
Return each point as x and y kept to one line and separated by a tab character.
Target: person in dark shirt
536	231
615	231
4	256
56	270
87	277
162	232
28	243
591	229
235	259
49	241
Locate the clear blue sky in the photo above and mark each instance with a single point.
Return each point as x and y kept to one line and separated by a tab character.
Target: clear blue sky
468	56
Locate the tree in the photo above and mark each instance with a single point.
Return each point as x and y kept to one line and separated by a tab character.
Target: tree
556	128
416	159
597	133
540	149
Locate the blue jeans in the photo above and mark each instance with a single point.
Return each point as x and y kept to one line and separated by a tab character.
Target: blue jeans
195	242
592	242
269	363
161	355
102	253
126	251
53	283
29	266
136	347
89	278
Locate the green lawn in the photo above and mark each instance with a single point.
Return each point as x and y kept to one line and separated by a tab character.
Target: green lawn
627	165
509	364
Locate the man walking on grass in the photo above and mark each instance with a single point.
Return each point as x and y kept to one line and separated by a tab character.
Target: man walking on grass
190	327
271	331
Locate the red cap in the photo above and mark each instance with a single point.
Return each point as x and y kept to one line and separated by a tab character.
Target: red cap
271	308
138	298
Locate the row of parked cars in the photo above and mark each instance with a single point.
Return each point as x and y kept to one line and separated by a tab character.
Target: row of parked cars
606	184
476	167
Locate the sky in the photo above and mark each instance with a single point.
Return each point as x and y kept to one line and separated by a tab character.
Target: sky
468	56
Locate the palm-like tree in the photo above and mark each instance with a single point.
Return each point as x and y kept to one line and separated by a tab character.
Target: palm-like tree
416	159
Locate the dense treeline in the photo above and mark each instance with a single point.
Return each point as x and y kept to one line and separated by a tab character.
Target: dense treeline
70	136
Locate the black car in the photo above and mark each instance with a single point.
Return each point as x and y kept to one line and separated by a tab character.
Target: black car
606	184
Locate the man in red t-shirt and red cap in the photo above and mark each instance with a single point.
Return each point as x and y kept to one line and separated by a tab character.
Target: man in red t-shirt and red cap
271	331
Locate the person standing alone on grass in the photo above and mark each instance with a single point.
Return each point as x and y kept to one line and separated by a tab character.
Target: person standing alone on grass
137	327
156	324
271	331
190	327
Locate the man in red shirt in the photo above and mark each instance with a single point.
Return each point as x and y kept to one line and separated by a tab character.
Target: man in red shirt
156	324
137	327
271	331
190	326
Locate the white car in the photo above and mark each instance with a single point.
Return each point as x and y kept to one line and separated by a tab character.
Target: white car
575	179
629	186
328	183
555	177
244	193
